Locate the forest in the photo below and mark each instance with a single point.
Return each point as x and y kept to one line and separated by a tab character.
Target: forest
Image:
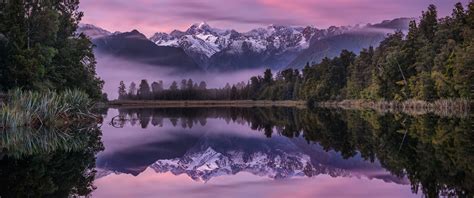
40	49
432	61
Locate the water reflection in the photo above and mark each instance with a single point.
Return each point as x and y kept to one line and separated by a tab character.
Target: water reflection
433	154
48	162
243	152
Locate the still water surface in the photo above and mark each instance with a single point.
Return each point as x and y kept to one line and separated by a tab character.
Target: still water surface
248	152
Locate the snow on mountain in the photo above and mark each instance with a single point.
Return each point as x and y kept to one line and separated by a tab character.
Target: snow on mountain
260	39
202	39
92	31
198	38
207	164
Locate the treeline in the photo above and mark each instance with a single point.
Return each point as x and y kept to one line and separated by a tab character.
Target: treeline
434	60
185	90
279	88
40	50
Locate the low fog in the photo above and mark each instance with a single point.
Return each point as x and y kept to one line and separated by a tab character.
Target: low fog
113	70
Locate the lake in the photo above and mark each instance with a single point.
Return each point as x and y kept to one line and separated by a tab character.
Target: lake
243	152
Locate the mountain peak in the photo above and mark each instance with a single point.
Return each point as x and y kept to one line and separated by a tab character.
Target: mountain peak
203	25
197	28
92	31
133	34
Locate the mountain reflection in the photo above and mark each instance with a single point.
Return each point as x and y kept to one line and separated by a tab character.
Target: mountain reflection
434	153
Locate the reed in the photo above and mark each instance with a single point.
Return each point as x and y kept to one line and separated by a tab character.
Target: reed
47	108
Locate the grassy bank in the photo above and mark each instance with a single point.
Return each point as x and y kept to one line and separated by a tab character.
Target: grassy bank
48	109
205	103
445	107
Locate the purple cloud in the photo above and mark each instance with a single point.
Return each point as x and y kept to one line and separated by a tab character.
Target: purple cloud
150	16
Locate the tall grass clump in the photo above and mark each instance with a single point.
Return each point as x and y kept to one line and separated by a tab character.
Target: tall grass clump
46	108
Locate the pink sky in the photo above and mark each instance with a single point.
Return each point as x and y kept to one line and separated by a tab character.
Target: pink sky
150	16
152	184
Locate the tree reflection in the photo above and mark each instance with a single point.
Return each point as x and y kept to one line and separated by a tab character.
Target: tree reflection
435	153
48	163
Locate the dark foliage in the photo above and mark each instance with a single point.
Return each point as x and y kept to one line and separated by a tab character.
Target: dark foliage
40	49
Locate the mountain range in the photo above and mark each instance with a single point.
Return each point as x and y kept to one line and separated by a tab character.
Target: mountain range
205	48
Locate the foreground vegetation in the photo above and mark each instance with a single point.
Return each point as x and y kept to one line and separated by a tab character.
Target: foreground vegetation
40	49
45	109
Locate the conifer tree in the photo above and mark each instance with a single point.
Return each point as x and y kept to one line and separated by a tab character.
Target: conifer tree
122	92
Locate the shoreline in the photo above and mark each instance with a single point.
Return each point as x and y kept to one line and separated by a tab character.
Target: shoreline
443	107
203	103
447	107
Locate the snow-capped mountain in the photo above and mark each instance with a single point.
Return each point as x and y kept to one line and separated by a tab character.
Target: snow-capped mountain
206	164
218	48
198	38
200	41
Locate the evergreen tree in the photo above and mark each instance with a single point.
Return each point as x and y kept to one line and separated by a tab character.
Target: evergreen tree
183	85
359	74
156	87
144	90
202	85
122	92
132	90
268	77
429	23
233	93
174	86
190	84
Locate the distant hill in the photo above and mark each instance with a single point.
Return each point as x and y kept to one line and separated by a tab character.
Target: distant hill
136	47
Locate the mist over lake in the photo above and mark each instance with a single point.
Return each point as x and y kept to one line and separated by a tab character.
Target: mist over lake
114	69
